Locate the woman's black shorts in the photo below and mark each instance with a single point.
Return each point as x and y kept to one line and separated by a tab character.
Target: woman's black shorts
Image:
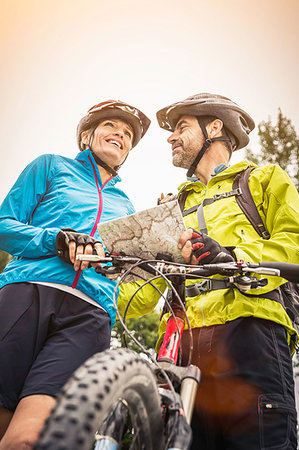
45	335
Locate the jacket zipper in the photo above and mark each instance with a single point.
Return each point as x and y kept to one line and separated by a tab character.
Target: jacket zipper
244	238
99	213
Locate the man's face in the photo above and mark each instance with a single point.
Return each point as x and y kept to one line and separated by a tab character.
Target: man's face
112	141
186	141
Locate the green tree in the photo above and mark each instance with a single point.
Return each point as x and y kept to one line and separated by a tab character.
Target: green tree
279	145
4	259
144	329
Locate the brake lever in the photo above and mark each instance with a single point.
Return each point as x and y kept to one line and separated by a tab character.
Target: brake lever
226	268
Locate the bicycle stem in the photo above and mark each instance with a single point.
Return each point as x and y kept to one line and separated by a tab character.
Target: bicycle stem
175	325
170	347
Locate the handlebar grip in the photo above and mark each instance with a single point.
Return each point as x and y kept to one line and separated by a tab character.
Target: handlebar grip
287	270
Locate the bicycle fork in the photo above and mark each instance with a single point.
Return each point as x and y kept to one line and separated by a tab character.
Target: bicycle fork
180	406
188	377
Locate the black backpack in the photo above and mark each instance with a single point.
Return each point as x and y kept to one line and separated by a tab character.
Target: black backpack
289	290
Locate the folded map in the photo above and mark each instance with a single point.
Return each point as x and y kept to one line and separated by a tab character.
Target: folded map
146	233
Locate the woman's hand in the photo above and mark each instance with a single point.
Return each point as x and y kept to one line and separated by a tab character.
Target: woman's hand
69	244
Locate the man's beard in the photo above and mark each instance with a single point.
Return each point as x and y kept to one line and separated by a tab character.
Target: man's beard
180	159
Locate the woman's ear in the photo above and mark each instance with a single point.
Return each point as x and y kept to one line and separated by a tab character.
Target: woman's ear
84	140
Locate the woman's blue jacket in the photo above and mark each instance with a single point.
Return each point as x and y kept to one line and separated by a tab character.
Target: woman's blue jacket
55	192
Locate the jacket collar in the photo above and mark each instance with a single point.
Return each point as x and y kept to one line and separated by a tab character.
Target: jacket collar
85	158
230	171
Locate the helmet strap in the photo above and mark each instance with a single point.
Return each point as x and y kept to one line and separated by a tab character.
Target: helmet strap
98	160
206	145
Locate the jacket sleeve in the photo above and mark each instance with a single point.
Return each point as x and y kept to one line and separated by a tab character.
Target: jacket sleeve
17	236
145	299
278	203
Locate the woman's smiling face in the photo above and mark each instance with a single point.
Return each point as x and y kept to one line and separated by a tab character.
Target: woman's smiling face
112	140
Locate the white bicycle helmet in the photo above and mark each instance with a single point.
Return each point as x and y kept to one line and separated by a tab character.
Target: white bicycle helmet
114	109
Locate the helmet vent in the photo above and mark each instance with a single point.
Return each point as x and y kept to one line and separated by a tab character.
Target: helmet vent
244	124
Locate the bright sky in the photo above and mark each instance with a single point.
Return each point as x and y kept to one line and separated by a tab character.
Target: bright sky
59	57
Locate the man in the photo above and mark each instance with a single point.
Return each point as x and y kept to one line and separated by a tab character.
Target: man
241	341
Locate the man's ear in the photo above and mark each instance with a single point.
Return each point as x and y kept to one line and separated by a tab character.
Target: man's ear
214	128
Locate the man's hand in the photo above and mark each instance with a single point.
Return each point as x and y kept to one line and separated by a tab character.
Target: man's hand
198	247
166	198
69	244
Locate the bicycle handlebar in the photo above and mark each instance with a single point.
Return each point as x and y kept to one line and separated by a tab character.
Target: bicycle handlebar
288	271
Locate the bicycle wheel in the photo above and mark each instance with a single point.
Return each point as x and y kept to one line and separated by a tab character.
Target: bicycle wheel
96	389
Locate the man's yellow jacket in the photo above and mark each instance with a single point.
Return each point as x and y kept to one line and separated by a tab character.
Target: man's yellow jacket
277	201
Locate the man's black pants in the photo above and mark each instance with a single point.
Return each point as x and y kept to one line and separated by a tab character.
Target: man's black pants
246	397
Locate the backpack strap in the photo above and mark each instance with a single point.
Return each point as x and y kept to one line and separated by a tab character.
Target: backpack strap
182	200
202	226
247	204
209	201
243	196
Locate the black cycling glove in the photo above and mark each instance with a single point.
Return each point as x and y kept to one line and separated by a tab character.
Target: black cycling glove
67	235
207	250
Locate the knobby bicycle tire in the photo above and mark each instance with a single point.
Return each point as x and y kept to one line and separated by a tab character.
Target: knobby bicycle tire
86	398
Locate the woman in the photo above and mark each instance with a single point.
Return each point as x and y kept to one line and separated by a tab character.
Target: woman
55	312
